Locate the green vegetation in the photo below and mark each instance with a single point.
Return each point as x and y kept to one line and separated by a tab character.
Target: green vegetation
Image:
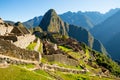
42	72
17	73
27	65
65	48
106	62
70	76
69	51
31	46
40	49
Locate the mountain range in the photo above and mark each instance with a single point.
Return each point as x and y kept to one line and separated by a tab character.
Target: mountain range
85	19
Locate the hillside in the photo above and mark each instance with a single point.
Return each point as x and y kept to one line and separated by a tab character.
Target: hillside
106	32
113	47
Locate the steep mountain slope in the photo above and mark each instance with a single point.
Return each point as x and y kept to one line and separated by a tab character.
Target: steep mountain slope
51	22
107	31
108	28
112	46
83	35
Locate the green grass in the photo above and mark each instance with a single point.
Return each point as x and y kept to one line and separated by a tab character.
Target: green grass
75	55
65	49
70	76
27	65
40	49
64	65
31	46
42	72
17	73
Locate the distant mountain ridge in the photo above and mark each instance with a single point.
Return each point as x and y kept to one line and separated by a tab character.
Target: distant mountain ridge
108	33
85	19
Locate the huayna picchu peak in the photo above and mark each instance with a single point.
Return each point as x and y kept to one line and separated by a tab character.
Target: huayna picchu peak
51	22
53	50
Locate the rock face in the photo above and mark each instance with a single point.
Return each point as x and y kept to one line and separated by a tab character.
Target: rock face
52	22
83	35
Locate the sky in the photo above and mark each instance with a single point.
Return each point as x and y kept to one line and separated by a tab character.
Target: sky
23	10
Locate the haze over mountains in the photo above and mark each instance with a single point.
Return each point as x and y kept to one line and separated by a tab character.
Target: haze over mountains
108	33
84	19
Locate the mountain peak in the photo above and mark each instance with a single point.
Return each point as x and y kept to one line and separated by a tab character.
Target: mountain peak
51	12
51	22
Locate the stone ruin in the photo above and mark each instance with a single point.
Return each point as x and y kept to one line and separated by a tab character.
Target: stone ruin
17	34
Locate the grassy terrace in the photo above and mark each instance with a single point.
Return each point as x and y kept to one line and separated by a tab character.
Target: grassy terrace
31	46
17	73
70	76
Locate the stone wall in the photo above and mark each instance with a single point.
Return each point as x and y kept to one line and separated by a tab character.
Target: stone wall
62	59
9	49
5	28
11	60
24	41
11	38
62	69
